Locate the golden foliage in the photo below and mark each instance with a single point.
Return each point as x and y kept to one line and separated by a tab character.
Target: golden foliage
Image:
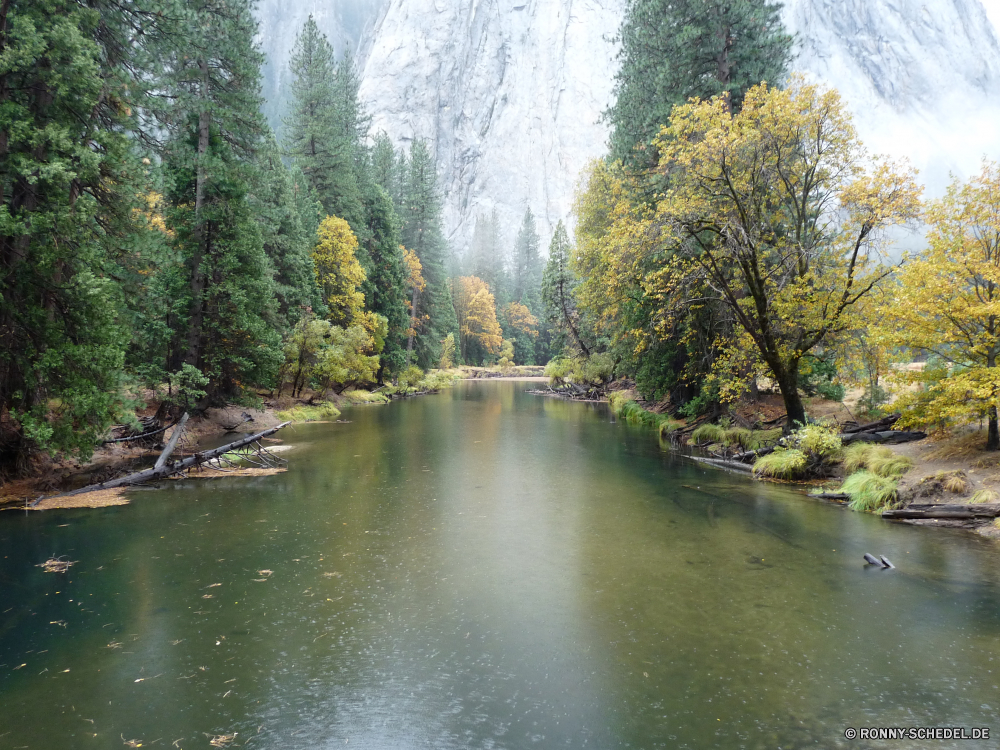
477	317
338	271
947	304
521	320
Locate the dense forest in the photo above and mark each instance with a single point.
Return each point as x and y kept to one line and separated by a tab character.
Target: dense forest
738	235
156	234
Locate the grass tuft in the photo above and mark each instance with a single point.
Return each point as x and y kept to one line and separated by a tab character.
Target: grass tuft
354	396
891	466
857	455
317	413
869	492
708	433
786	464
985	496
955	484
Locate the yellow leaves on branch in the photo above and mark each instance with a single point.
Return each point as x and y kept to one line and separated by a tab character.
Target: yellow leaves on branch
780	210
519	318
475	308
947	303
338	271
414	270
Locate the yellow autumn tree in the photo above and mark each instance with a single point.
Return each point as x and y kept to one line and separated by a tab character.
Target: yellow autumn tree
479	332
338	272
416	284
947	305
778	213
523	323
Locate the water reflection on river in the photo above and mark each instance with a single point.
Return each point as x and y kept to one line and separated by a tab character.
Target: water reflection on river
488	569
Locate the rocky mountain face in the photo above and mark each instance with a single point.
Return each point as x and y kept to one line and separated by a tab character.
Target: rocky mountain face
510	92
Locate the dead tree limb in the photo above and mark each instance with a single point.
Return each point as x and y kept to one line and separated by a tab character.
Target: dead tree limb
176	467
173	442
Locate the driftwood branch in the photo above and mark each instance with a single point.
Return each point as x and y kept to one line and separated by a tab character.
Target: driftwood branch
930	510
176	467
173	442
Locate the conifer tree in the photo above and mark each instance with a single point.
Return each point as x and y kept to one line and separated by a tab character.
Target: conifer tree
213	80
672	50
527	264
322	135
287	243
422	234
384	287
558	283
487	260
71	80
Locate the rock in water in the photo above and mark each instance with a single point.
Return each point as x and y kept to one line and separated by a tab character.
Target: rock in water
872	560
885	562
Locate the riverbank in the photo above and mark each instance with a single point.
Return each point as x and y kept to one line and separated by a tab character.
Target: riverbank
950	475
55	475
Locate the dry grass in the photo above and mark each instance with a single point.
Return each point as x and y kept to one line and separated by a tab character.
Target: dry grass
985	496
95	499
966	447
955	484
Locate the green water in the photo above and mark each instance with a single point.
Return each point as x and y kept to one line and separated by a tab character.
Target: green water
488	569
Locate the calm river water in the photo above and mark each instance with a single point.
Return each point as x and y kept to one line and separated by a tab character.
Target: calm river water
485	568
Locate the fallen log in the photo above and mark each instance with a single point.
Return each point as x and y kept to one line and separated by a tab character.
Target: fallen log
830	495
886	436
169	469
874	426
932	510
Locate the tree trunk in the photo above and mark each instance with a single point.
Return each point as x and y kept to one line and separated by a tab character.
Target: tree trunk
788	384
200	233
993	433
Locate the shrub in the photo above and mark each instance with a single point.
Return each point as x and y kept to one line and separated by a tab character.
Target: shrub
558	370
595	369
831	391
737	436
707	434
788	463
869	492
820	441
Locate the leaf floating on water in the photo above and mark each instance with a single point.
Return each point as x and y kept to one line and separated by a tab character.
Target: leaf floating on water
130	743
208	596
114	644
333	574
212	586
56	565
58	622
222	740
20	665
265	573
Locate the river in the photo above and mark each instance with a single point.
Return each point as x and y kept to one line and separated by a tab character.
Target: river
485	568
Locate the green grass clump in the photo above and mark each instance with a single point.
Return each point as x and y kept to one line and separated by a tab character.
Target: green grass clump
737	436
782	464
891	466
857	455
316	413
669	425
354	396
628	410
708	433
984	496
869	492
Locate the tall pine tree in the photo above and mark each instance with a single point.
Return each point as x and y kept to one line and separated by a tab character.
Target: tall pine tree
214	79
422	234
672	50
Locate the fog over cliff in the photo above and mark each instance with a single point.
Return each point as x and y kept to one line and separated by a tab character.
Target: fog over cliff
510	92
